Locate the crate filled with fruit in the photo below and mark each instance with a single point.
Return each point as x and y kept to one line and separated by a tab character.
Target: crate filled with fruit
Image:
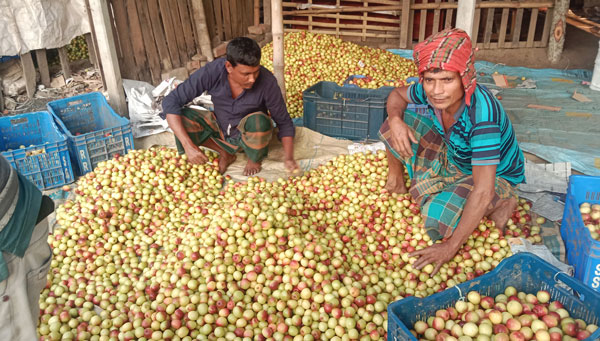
524	298
580	228
590	213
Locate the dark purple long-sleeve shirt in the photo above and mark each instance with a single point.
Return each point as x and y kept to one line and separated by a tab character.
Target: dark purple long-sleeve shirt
264	96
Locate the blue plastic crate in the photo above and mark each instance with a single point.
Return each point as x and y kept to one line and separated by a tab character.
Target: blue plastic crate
297	122
583	252
353	77
34	146
350	78
96	133
7	58
524	271
343	112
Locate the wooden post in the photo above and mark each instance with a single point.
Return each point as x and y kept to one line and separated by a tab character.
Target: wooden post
29	73
450	16
202	29
277	29
108	55
42	61
557	38
267	12
404	22
465	15
64	62
91	49
95	43
256	12
1	98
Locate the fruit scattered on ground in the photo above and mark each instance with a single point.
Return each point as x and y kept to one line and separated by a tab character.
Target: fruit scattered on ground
153	246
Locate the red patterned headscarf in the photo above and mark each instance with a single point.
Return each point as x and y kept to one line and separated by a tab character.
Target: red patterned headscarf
448	50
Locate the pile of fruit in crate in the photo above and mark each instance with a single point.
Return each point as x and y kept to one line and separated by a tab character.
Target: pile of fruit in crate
591	218
153	246
369	82
509	316
311	58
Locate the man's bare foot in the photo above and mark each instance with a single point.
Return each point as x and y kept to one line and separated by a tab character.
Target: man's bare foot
252	168
225	160
392	186
503	211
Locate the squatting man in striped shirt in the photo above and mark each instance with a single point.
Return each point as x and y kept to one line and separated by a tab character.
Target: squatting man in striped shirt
462	155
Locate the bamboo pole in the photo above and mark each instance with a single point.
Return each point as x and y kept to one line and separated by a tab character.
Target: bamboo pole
465	16
256	12
404	24
524	4
1	97
352	26
202	30
583	24
95	44
277	29
354	17
344	33
29	73
108	55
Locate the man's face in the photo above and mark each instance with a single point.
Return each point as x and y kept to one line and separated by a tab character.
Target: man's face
444	89
243	75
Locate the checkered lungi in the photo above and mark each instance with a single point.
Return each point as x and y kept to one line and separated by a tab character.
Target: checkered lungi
439	187
256	130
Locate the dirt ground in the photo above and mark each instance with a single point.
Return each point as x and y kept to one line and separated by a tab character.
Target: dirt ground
579	52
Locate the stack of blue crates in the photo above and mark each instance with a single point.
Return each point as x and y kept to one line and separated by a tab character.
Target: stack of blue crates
95	132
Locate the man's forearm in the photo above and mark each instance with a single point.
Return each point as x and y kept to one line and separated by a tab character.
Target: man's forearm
397	102
178	129
288	147
474	210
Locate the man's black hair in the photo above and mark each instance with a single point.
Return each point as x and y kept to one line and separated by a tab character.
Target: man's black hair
243	50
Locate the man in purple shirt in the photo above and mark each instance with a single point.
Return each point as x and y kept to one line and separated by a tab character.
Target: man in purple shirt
245	96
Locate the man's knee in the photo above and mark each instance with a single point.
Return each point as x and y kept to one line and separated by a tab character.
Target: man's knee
257	130
257	122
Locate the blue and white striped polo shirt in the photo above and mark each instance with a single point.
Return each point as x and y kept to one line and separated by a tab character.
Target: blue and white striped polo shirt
482	135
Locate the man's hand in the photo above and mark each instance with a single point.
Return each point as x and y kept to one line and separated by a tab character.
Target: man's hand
288	151
195	155
291	166
401	138
439	253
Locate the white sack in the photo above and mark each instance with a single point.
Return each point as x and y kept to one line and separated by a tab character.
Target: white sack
27	25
